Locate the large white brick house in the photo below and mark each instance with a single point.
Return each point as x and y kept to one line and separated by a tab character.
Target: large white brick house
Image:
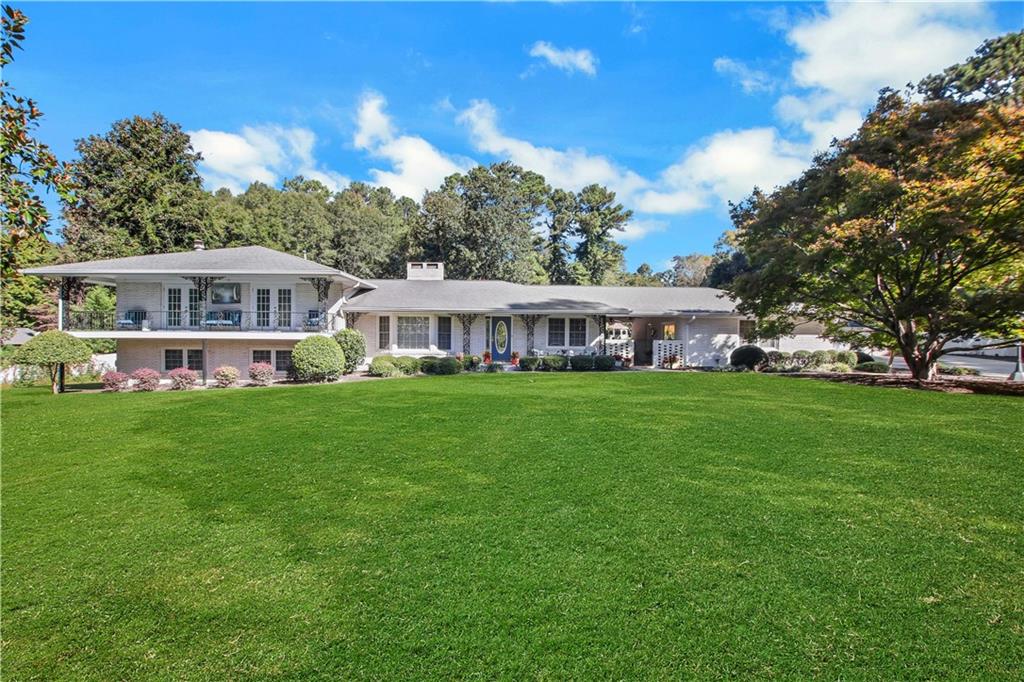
206	308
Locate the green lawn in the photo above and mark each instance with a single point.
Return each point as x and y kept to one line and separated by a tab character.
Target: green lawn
623	525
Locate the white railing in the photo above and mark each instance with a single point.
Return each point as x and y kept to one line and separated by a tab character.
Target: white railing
669	353
623	347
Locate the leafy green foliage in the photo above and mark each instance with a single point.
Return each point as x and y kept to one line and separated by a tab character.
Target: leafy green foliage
581	363
353	345
26	165
913	229
318	358
407	364
138	191
449	366
383	366
25	297
874	367
51	349
751	357
556	363
604	363
529	363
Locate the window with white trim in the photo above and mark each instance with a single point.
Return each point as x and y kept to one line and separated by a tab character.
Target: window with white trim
384	332
577	331
556	331
263	356
444	332
414	331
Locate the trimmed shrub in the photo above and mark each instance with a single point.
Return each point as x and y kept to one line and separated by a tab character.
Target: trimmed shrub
581	363
353	345
115	382
950	370
749	356
846	357
874	367
384	366
863	357
408	364
50	350
428	364
604	363
840	367
226	376
801	357
261	373
448	366
778	357
555	363
832	355
182	378
529	363
819	358
471	362
146	379
494	367
318	358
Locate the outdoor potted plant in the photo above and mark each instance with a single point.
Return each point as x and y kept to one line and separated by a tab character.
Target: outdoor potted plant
670	362
487	357
618	359
515	358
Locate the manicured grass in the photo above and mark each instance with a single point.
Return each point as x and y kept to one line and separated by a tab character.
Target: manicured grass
620	526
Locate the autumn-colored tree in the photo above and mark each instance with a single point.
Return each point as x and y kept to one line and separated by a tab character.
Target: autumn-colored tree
26	165
909	234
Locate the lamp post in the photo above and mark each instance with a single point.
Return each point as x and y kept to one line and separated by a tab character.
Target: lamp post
1018	372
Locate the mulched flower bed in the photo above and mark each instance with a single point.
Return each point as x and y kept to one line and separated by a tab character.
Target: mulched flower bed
945	385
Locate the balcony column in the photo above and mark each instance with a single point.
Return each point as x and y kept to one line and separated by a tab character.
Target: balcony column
530	322
322	286
65	288
467	320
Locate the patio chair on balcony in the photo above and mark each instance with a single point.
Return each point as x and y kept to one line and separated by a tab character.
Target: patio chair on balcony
133	319
314	321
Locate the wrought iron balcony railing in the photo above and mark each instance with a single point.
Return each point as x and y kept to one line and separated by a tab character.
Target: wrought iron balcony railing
197	320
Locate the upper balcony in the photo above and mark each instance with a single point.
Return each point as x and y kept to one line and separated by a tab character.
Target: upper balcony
196	320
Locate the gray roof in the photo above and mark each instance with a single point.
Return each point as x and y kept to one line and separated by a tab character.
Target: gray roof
243	260
496	296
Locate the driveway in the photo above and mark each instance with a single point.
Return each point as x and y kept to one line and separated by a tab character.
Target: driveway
988	366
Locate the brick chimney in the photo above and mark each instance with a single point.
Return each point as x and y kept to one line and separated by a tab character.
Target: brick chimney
421	271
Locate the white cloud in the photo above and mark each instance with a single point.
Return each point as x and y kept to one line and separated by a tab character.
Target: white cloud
638	228
750	79
572	168
260	154
416	165
851	50
567	59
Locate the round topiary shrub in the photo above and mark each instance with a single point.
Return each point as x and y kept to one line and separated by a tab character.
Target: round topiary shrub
847	357
555	363
182	378
778	357
261	373
604	363
146	379
831	355
318	358
383	366
581	363
448	366
226	376
409	365
801	357
51	349
840	367
428	364
749	356
353	345
529	364
874	367
863	357
115	382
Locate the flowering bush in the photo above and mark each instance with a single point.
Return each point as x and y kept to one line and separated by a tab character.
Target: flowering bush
182	378
261	373
226	376
146	379
115	382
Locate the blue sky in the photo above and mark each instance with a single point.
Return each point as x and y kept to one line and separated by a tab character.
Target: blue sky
678	107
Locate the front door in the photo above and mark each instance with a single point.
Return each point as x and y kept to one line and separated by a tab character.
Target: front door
501	339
